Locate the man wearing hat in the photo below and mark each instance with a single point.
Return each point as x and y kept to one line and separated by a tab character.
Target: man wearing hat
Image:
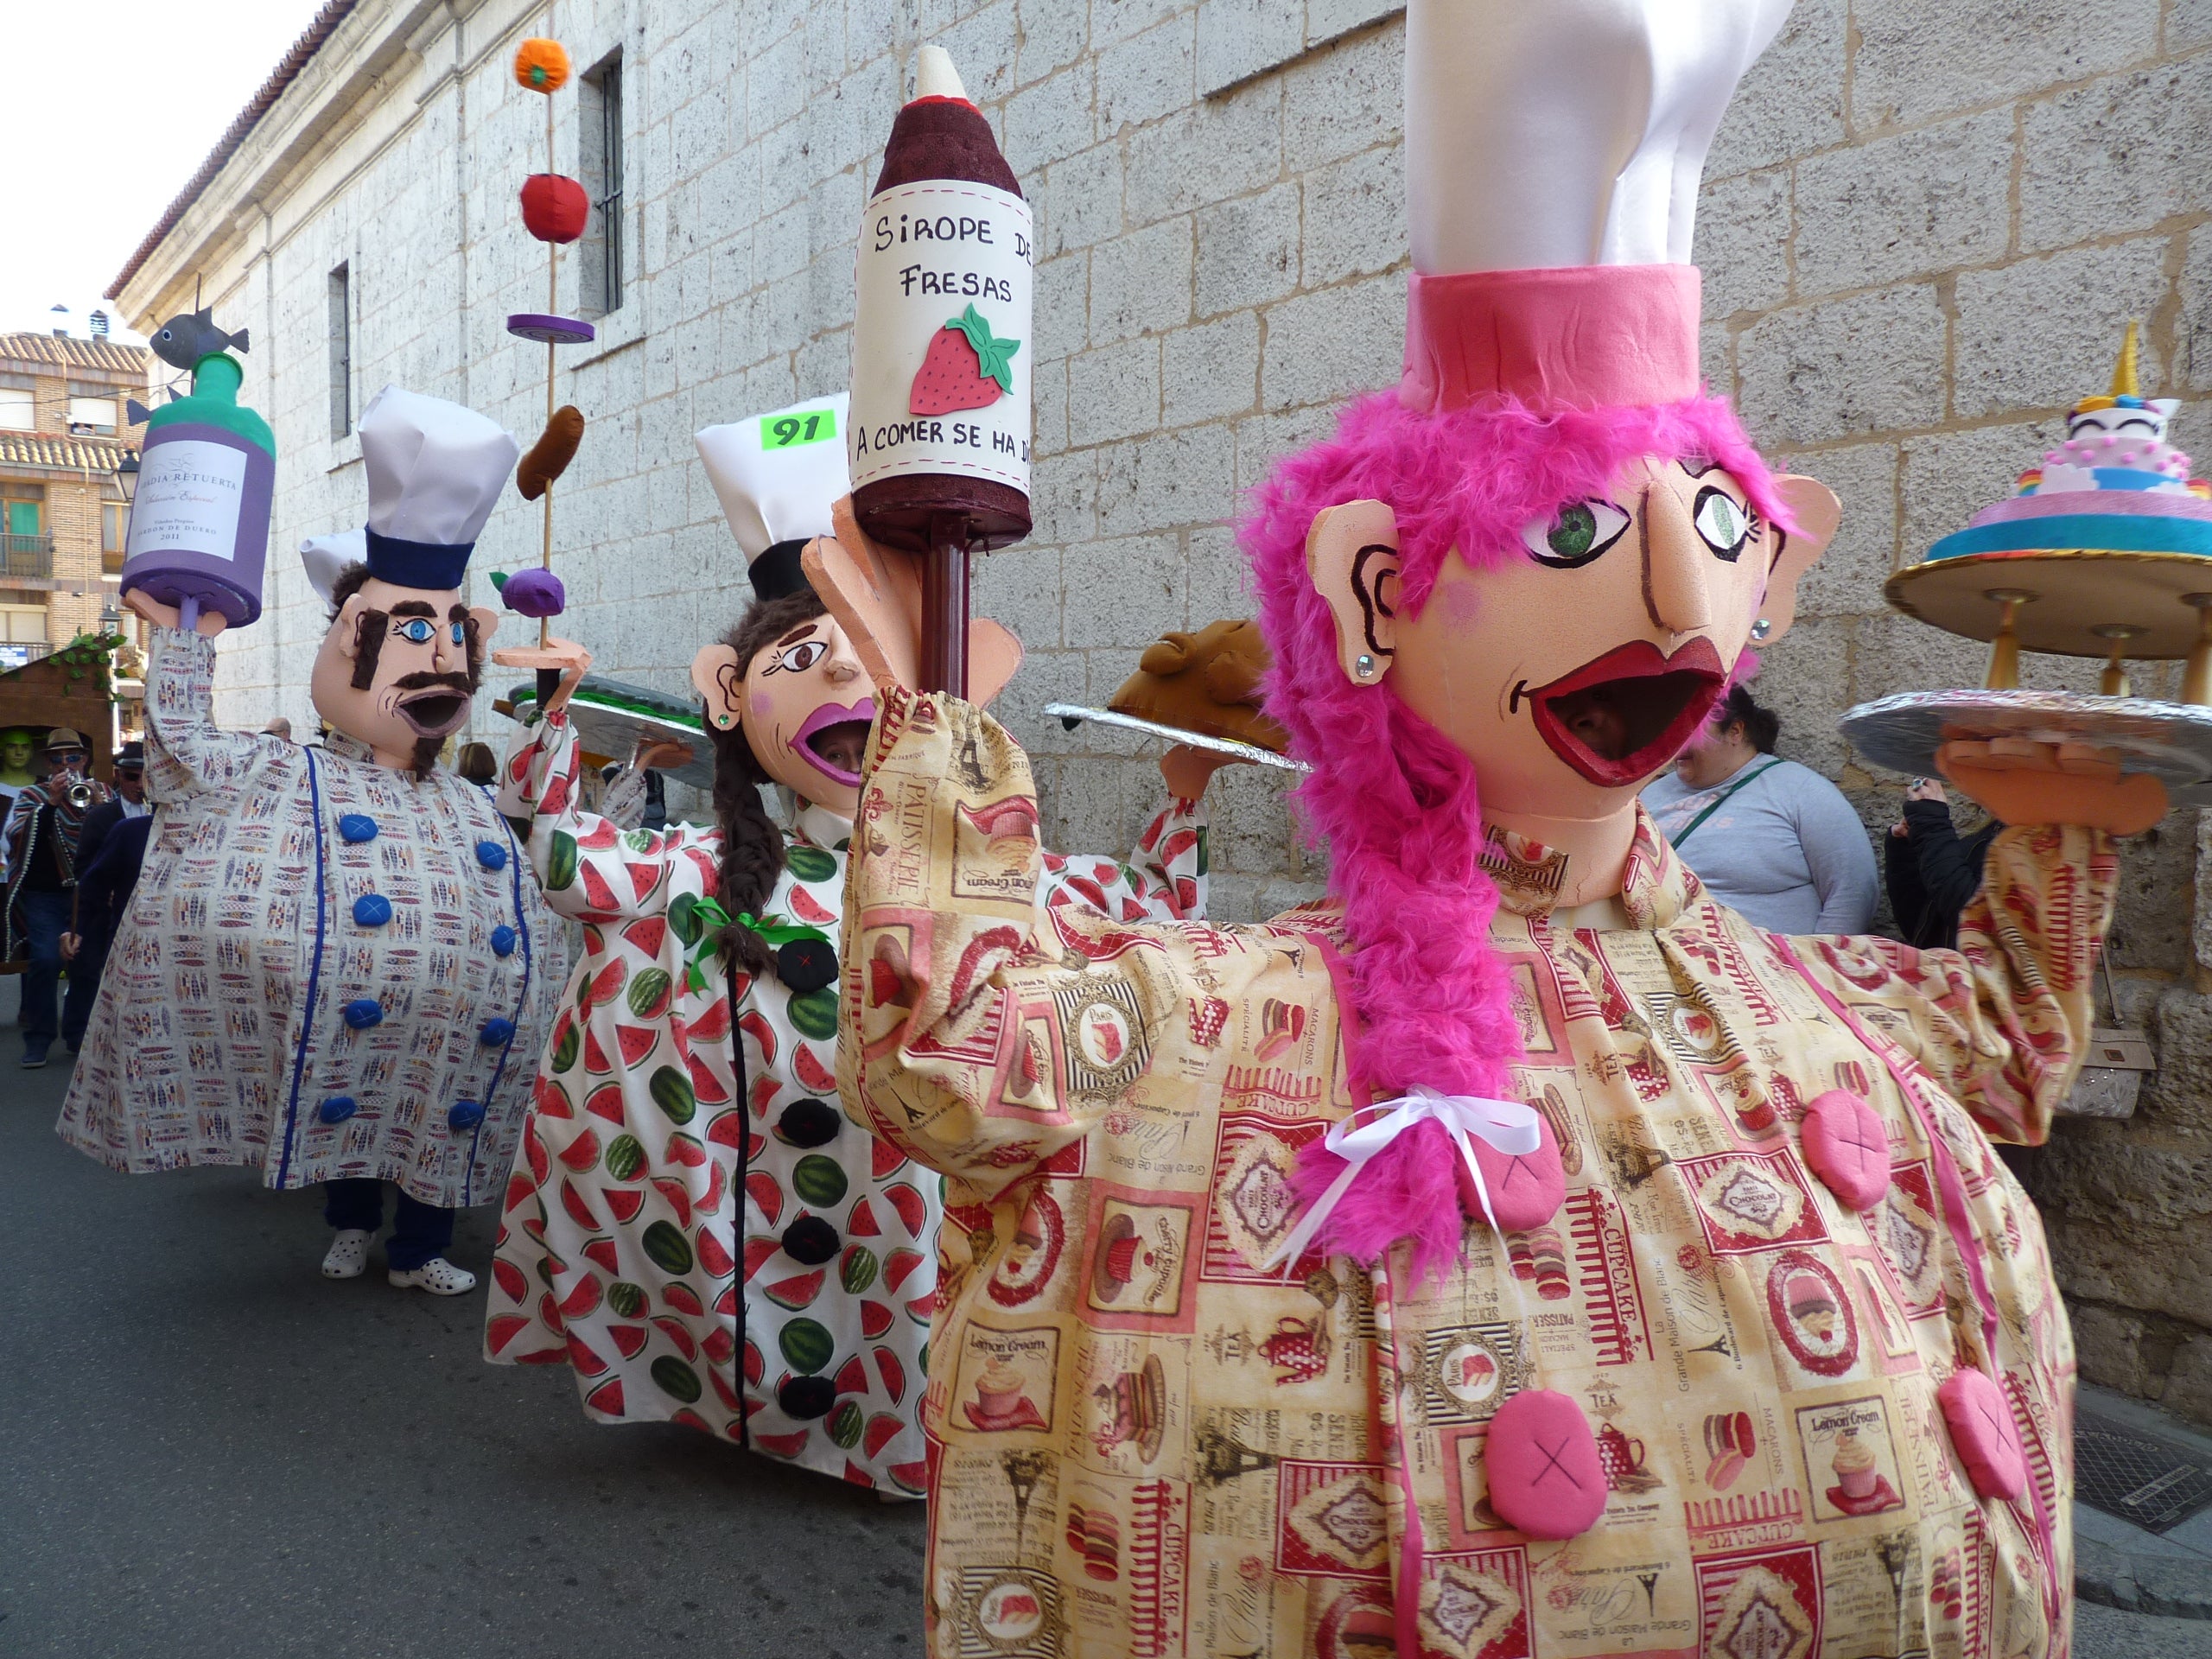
335	966
84	947
43	825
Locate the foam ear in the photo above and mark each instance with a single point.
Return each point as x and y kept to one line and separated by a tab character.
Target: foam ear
1816	510
1351	554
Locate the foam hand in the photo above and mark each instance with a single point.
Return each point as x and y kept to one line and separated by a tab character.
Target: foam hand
875	594
2021	781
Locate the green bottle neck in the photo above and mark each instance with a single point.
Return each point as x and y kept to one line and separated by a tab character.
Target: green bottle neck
214	402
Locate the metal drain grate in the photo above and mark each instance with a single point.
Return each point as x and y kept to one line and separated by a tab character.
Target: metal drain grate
2149	1482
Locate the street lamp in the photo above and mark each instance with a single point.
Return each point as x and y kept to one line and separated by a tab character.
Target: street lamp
126	475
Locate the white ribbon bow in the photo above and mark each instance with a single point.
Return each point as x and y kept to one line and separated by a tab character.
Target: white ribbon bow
1507	1125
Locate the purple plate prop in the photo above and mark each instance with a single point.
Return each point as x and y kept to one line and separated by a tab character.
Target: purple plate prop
544	326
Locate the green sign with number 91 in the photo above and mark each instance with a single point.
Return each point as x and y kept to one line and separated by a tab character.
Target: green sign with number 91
804	426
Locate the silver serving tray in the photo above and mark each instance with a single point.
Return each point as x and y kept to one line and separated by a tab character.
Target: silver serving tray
1071	715
2171	740
615	733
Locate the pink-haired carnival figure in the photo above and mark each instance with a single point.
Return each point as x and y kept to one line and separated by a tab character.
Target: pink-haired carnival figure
1517	1252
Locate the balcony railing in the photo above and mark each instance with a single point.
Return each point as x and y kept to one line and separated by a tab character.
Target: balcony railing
26	557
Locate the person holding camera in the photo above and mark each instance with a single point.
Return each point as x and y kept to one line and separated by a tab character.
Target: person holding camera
42	834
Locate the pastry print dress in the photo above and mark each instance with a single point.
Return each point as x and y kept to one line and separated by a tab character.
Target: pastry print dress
692	1224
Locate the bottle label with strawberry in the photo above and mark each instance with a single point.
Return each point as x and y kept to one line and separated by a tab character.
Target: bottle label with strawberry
941	346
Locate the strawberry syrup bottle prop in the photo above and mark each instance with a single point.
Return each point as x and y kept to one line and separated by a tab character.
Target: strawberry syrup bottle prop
939	429
555	210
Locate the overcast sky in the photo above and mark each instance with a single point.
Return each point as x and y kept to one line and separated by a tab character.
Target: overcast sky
108	110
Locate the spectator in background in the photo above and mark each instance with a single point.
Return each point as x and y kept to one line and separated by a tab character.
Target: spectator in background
104	888
43	825
84	947
1773	840
279	726
1932	872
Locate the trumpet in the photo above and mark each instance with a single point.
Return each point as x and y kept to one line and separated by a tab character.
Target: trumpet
81	794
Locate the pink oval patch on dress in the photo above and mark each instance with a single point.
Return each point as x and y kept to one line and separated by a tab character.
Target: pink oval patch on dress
1847	1147
1526	1191
1542	1461
1984	1434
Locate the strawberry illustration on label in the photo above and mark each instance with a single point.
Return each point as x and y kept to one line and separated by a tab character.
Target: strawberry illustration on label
966	367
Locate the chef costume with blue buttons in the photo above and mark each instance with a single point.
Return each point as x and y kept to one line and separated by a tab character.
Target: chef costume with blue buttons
331	968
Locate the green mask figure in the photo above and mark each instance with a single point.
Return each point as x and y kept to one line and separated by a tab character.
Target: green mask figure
16	758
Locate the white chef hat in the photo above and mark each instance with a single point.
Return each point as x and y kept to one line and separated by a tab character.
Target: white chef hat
1553	154
777	476
435	471
327	556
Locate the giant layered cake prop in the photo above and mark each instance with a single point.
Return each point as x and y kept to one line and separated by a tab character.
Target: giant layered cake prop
2103	550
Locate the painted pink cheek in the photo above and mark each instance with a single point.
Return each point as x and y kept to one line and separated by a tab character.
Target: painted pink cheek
1983	1434
1542	1461
1463	606
1847	1148
1525	1192
763	705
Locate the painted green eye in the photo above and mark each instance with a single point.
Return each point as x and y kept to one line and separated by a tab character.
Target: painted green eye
1576	534
1722	522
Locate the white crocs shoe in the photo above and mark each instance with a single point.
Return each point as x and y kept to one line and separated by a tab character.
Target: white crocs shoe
438	1276
348	1254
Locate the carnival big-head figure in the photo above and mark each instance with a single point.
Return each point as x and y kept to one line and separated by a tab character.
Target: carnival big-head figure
405	652
373	1034
788	701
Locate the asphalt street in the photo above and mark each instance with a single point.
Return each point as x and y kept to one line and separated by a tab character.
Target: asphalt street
208	1452
206	1449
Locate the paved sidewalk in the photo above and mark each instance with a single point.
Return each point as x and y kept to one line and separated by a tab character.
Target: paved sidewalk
209	1452
2121	1565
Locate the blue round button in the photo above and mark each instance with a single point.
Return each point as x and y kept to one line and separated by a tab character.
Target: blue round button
491	854
363	1011
358	827
336	1109
371	910
465	1114
504	940
495	1032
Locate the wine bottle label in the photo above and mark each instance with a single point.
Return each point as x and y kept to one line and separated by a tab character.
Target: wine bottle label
941	346
190	496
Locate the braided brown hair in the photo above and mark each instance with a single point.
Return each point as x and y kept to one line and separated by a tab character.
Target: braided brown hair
753	846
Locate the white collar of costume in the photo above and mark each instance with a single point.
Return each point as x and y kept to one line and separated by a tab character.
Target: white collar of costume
825	828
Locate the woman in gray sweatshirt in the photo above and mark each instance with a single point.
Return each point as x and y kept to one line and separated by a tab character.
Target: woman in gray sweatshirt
1775	841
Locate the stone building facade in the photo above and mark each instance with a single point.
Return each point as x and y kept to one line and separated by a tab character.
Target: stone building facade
1923	227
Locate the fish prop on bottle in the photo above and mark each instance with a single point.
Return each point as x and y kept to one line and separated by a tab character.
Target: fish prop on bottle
199	535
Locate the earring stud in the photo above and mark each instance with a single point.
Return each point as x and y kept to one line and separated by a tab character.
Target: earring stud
1761	628
723	719
1363	666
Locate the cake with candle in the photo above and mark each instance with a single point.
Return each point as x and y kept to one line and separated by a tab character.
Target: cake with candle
2115	482
2104	549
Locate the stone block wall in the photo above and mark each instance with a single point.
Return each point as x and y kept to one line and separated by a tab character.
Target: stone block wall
1923	229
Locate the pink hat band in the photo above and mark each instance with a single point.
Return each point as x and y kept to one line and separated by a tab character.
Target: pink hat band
1575	337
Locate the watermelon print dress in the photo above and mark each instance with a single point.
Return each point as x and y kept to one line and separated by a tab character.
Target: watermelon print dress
693	1225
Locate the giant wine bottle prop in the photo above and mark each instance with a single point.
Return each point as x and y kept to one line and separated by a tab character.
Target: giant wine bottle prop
199	533
939	421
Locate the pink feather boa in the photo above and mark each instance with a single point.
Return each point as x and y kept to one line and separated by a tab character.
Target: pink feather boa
1396	803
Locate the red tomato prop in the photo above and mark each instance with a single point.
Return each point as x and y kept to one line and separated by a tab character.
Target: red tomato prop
554	207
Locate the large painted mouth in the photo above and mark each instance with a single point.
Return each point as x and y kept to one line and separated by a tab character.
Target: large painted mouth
436	711
834	741
1621	717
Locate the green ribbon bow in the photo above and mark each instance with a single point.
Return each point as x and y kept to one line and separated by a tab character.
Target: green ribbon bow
771	930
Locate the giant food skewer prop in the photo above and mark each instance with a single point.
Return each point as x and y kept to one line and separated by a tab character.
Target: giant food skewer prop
555	209
2104	550
940	438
